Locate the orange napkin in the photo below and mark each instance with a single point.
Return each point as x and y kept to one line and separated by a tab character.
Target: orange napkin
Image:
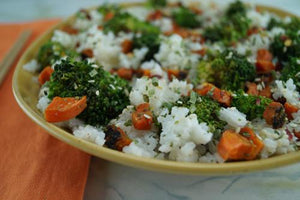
33	165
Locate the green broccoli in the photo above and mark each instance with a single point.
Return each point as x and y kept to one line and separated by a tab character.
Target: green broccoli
151	41
274	23
252	106
157	3
51	52
236	8
292	70
107	95
127	22
106	8
228	71
184	17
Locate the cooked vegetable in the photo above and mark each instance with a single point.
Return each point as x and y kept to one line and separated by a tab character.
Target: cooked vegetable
51	52
235	8
230	71
252	106
127	22
185	17
116	138
126	46
149	40
63	109
274	115
264	61
44	76
258	144
125	73
290	109
87	53
221	96
142	118
106	94
109	8
292	70
179	74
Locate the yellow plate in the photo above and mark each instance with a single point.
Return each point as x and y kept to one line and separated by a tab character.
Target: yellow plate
26	93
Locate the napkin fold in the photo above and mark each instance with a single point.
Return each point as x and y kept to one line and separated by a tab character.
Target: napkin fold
33	164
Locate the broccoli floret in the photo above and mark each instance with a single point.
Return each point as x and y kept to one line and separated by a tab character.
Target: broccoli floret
151	41
184	17
274	23
235	8
157	3
106	94
252	106
292	70
106	8
206	109
127	22
51	52
230	71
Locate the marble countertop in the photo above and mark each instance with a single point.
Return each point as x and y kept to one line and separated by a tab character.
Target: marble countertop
111	181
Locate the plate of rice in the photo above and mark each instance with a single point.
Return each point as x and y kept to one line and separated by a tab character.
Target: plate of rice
181	87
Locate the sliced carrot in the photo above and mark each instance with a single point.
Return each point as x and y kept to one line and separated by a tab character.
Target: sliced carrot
108	16
142	118
125	73
157	14
264	54
116	138
70	30
290	109
179	74
233	146
63	109
88	53
45	75
252	88
126	46
274	114
264	61
258	145
221	96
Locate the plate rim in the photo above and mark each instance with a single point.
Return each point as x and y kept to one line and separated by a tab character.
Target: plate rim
137	161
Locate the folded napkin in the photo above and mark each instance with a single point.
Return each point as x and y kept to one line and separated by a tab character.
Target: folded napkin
33	164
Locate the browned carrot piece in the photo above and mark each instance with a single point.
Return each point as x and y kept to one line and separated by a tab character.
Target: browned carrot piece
264	61
266	92
274	114
45	75
258	145
116	138
62	109
69	30
179	74
290	109
157	14
126	46
297	134
109	16
88	53
125	73
252	88
200	52
233	146
142	118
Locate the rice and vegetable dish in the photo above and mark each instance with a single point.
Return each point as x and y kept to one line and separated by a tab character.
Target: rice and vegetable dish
190	82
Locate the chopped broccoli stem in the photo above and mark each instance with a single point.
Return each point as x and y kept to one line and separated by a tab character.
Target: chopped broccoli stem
252	106
106	94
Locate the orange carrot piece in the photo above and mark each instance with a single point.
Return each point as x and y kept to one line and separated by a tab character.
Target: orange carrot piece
123	141
45	75
258	145
125	73
297	134
290	109
108	16
116	138
126	46
274	114
233	146
200	52
88	53
266	92
155	15
63	109
70	30
252	88
264	61
179	74
142	118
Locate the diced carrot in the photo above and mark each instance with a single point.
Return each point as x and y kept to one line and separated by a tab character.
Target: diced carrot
266	92
62	109
142	118
179	74
221	96
233	146
264	61
69	30
116	138
252	88
126	46
108	16
297	134
157	14
290	109
45	75
274	114
258	145
200	52
125	73
196	10
253	30
87	53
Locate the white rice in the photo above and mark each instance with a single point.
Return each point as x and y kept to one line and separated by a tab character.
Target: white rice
233	117
32	66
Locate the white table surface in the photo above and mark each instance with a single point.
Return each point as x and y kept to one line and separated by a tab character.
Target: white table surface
111	181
